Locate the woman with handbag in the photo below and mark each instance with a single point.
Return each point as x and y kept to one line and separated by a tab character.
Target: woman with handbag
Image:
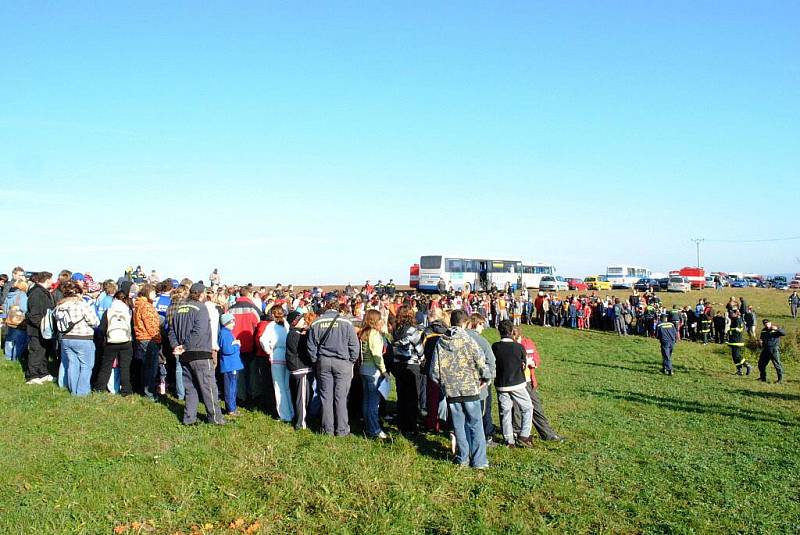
15	307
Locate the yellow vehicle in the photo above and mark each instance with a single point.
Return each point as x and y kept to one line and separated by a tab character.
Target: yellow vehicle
597	282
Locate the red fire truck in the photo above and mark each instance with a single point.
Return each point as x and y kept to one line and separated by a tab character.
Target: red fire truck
413	279
696	276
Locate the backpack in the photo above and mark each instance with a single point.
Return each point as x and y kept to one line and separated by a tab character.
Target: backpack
16	317
46	325
119	327
62	322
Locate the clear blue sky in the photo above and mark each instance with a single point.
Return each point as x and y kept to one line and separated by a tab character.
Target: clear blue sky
334	142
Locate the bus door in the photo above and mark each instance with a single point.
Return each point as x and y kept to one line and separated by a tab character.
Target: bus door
483	275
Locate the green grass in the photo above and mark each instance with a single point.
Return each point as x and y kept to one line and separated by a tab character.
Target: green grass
701	452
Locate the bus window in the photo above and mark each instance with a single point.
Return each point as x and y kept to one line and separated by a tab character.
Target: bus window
430	262
455	265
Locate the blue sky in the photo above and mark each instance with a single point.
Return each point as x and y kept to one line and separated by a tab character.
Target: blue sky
339	141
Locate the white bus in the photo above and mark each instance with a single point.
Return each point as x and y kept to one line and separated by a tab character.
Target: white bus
532	273
473	273
625	276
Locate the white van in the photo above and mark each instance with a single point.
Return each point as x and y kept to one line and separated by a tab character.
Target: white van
678	284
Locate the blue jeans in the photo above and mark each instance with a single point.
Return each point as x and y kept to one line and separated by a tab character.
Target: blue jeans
78	359
148	349
369	404
468	428
230	382
16	343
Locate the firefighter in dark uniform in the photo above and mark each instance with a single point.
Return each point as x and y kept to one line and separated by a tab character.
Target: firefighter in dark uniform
667	335
770	350
736	342
391	288
704	327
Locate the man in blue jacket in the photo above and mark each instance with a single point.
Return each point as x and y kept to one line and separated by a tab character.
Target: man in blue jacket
190	338
333	347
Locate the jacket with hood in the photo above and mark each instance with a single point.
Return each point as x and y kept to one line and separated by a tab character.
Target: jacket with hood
459	366
297	360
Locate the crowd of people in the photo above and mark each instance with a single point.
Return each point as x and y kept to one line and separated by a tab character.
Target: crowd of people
316	358
308	357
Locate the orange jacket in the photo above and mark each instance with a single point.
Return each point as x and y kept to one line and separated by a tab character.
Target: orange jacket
145	321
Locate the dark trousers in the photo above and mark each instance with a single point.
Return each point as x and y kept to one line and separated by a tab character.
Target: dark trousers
37	356
765	358
666	357
123	353
540	422
486	409
719	336
408	387
738	358
333	383
199	381
300	387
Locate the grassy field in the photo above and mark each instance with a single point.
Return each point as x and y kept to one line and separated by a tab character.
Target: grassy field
704	451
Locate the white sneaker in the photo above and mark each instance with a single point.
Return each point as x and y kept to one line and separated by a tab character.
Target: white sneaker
33	382
382	435
47	379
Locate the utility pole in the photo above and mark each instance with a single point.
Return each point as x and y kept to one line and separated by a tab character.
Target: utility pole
697	242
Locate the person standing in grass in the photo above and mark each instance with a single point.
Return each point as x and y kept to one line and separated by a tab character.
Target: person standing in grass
40	302
736	342
75	320
794	304
667	335
458	365
539	419
333	346
476	326
408	357
299	364
190	338
770	350
373	371
147	331
230	362
273	341
15	307
116	334
510	360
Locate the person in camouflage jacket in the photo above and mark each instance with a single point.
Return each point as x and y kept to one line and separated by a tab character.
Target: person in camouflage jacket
459	366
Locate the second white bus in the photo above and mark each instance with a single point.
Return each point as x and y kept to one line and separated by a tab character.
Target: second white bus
625	276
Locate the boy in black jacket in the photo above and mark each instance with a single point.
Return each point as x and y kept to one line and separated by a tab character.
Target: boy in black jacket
510	359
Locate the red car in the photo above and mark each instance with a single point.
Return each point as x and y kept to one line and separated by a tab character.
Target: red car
576	285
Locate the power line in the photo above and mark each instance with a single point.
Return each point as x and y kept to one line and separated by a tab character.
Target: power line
754	241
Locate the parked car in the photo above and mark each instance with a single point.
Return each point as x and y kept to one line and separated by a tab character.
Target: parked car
663	283
710	282
562	284
679	284
548	283
597	282
795	284
646	283
576	285
739	283
780	285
